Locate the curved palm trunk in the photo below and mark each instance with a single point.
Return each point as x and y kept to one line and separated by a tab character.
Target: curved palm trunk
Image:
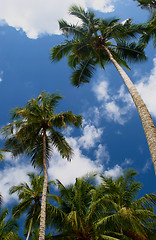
147	122
29	231
44	193
31	222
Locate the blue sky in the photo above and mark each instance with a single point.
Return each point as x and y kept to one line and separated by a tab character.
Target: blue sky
112	137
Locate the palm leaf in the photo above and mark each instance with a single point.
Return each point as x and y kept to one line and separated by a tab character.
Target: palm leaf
83	72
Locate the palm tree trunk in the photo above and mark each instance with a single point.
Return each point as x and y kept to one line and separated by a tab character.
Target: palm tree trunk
29	231
44	192
31	222
147	122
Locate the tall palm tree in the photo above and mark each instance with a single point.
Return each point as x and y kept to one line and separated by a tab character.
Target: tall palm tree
30	200
99	41
135	218
33	131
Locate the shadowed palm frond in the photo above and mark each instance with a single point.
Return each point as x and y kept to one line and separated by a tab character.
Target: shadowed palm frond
60	143
83	72
133	52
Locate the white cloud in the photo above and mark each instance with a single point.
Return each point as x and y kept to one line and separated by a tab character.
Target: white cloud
102	154
101	91
114	107
36	17
113	112
13	175
114	172
90	136
103	6
147	89
80	165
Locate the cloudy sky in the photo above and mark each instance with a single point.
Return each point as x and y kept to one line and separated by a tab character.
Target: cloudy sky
111	138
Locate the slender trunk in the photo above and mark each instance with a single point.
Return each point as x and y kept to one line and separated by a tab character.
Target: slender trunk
147	122
44	193
31	222
29	231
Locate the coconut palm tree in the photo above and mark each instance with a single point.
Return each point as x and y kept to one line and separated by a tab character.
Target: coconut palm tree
99	41
33	131
30	200
135	218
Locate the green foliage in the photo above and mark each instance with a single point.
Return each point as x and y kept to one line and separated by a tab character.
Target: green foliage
8	228
108	211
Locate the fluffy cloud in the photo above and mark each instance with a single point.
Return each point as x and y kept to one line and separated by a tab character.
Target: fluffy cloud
40	17
90	136
114	107
147	89
102	154
114	172
66	171
13	175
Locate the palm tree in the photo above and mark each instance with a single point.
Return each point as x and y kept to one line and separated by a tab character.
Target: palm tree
135	218
33	132
8	228
99	41
30	200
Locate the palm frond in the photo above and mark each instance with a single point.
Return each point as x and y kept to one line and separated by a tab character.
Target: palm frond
83	72
59	141
131	51
59	51
71	29
80	13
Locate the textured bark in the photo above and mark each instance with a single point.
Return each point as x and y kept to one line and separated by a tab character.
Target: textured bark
147	122
44	193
